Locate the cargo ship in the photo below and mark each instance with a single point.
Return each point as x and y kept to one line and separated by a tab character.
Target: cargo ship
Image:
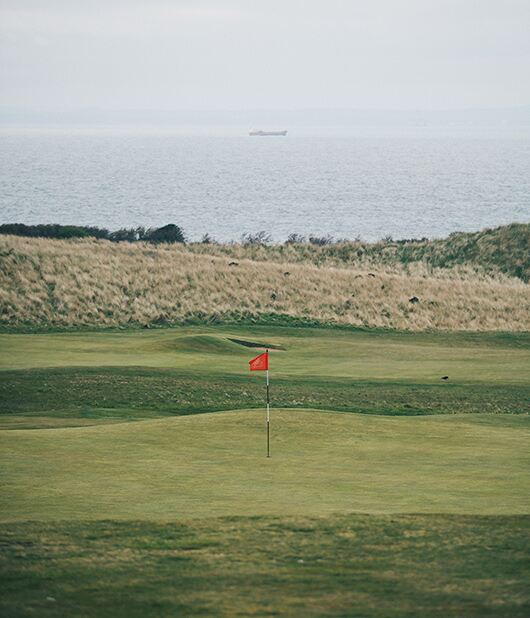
261	133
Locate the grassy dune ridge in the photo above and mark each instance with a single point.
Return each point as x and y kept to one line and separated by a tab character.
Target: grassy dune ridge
89	282
505	249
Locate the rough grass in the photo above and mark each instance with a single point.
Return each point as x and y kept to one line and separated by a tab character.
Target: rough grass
504	249
87	396
97	283
355	565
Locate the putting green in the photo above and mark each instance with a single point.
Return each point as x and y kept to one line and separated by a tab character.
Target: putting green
214	465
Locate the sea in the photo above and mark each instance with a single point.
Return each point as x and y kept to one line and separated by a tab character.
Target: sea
221	182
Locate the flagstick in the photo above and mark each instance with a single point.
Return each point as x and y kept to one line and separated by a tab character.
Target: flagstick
268	410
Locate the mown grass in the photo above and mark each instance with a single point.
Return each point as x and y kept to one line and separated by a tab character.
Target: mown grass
355	565
214	465
85	378
308	352
182	514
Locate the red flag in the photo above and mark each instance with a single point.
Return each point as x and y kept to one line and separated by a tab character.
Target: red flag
260	363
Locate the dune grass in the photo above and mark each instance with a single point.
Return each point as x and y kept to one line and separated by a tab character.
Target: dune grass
51	283
504	249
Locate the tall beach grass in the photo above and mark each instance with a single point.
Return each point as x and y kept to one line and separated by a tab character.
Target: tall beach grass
63	283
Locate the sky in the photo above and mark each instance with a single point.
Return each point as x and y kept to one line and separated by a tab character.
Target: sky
264	54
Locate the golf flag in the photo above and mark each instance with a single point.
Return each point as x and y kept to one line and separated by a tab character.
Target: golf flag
260	363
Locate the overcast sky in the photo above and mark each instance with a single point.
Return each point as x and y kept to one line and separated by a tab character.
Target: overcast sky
277	54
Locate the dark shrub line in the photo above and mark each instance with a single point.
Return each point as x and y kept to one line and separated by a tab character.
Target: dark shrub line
168	233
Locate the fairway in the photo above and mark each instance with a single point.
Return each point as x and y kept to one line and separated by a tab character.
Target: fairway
137	459
65	379
306	352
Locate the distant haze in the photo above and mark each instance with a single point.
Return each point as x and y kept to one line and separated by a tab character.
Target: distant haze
107	55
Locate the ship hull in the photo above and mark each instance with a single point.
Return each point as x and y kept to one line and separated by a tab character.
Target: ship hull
266	133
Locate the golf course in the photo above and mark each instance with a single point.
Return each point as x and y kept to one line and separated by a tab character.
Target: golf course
135	476
264	309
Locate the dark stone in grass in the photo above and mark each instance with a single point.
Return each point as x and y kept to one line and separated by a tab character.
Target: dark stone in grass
414	300
233	263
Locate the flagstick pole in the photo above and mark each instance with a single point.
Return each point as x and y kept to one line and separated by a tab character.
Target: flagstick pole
268	412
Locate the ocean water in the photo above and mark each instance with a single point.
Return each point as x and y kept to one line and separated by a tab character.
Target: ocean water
227	184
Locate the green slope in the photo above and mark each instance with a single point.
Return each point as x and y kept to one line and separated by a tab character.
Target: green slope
214	464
